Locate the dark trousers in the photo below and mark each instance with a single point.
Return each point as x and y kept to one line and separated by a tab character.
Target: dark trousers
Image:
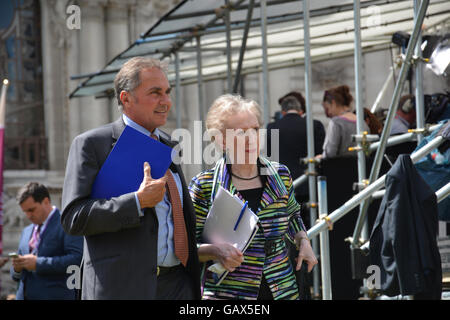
176	285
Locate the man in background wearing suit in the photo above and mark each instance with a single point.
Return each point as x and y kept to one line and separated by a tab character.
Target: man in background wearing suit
45	250
292	138
292	148
139	245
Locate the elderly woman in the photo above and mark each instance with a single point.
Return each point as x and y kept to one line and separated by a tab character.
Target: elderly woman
264	270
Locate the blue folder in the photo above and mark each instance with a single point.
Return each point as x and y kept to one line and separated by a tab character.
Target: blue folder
123	170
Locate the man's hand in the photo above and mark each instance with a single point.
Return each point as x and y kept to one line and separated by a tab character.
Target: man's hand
27	262
151	191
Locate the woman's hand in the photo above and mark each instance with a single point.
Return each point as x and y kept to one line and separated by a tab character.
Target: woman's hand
305	253
229	256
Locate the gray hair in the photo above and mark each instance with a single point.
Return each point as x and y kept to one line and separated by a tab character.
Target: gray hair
290	103
127	79
227	105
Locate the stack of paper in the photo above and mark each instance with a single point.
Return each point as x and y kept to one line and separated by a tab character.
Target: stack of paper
230	222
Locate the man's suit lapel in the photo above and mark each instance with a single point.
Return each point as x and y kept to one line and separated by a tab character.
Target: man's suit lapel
117	129
50	226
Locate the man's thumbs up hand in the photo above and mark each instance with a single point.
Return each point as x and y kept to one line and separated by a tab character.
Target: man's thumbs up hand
151	191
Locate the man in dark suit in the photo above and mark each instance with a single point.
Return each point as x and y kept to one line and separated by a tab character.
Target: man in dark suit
139	245
45	250
292	138
292	147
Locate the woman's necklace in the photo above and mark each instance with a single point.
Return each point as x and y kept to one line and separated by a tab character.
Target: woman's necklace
251	178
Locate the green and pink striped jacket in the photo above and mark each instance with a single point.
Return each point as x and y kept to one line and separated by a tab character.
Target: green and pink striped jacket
279	217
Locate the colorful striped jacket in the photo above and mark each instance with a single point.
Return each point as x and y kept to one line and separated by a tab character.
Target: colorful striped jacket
279	215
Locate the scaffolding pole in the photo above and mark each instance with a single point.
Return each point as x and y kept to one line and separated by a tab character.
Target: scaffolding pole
265	72
367	192
390	117
310	139
201	107
248	21
177	90
443	192
397	139
359	106
418	67
228	48
324	240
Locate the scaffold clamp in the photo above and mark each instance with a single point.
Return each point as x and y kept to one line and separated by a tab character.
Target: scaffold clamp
310	160
326	218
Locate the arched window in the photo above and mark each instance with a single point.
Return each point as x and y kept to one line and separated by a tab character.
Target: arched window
21	64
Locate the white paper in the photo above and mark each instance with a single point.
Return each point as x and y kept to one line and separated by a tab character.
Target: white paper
220	223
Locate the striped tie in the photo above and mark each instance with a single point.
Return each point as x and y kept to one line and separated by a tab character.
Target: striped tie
35	238
180	238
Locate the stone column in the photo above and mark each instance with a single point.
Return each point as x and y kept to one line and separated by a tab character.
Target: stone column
74	107
92	54
54	47
117	38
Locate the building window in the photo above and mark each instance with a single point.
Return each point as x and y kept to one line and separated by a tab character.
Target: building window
21	64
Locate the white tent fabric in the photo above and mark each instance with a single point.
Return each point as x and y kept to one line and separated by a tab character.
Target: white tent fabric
331	33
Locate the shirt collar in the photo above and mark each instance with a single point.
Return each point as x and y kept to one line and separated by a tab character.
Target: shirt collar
138	127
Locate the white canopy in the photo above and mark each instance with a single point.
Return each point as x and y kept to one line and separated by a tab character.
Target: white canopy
331	32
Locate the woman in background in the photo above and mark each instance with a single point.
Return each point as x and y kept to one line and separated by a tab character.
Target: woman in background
337	106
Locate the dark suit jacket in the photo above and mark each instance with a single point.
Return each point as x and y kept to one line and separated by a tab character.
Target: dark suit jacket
120	247
404	236
293	143
56	252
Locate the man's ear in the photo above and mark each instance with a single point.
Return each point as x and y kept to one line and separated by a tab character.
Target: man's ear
45	201
125	98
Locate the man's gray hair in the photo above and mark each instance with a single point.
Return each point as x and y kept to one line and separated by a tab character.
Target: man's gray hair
290	103
127	79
